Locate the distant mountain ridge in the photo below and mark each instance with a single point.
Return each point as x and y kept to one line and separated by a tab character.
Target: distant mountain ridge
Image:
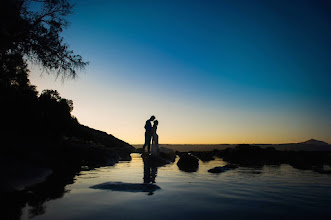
314	142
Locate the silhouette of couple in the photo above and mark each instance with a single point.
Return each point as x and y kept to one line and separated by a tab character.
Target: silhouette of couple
150	134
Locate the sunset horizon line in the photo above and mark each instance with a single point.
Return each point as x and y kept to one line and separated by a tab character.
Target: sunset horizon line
257	143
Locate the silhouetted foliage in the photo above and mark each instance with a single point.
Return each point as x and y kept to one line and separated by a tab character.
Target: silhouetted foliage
55	112
47	116
30	29
14	72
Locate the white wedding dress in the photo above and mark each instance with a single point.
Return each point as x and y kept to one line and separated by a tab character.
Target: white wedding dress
155	144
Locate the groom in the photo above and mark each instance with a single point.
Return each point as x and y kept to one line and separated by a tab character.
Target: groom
148	134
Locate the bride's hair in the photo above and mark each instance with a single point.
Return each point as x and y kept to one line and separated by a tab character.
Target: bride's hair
156	122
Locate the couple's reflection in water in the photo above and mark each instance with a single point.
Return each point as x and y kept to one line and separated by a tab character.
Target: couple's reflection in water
150	173
147	185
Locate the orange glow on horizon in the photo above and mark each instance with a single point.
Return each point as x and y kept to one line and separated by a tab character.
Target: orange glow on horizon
122	112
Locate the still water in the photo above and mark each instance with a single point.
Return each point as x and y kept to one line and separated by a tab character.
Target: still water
268	192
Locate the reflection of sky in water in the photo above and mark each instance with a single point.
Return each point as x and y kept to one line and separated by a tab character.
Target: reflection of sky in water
269	192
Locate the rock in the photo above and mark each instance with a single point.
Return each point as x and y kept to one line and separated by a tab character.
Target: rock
167	154
84	133
127	187
222	169
321	170
154	161
95	155
188	163
139	150
21	176
124	154
250	155
204	155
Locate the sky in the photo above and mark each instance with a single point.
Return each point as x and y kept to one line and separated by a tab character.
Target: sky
210	71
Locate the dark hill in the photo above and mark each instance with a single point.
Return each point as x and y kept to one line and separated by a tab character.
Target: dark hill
87	134
314	142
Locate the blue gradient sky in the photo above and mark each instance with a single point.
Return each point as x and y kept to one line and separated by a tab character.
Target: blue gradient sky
211	71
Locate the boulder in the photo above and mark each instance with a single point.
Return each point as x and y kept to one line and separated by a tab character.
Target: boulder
222	169
250	155
93	155
188	163
124	154
167	154
20	176
139	150
204	155
154	161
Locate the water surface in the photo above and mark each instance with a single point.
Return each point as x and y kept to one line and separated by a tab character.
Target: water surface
268	192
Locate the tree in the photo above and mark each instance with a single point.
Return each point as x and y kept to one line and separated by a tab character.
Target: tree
30	30
55	111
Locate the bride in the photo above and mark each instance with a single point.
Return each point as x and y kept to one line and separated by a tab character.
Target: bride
155	141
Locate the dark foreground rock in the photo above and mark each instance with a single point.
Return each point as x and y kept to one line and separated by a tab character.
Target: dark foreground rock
222	169
187	162
20	176
127	187
39	157
154	161
204	155
86	134
37	169
165	156
250	155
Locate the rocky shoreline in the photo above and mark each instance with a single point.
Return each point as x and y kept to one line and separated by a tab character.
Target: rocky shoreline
250	155
245	155
33	163
36	170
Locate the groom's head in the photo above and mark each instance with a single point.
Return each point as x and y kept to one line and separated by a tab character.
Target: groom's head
152	118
